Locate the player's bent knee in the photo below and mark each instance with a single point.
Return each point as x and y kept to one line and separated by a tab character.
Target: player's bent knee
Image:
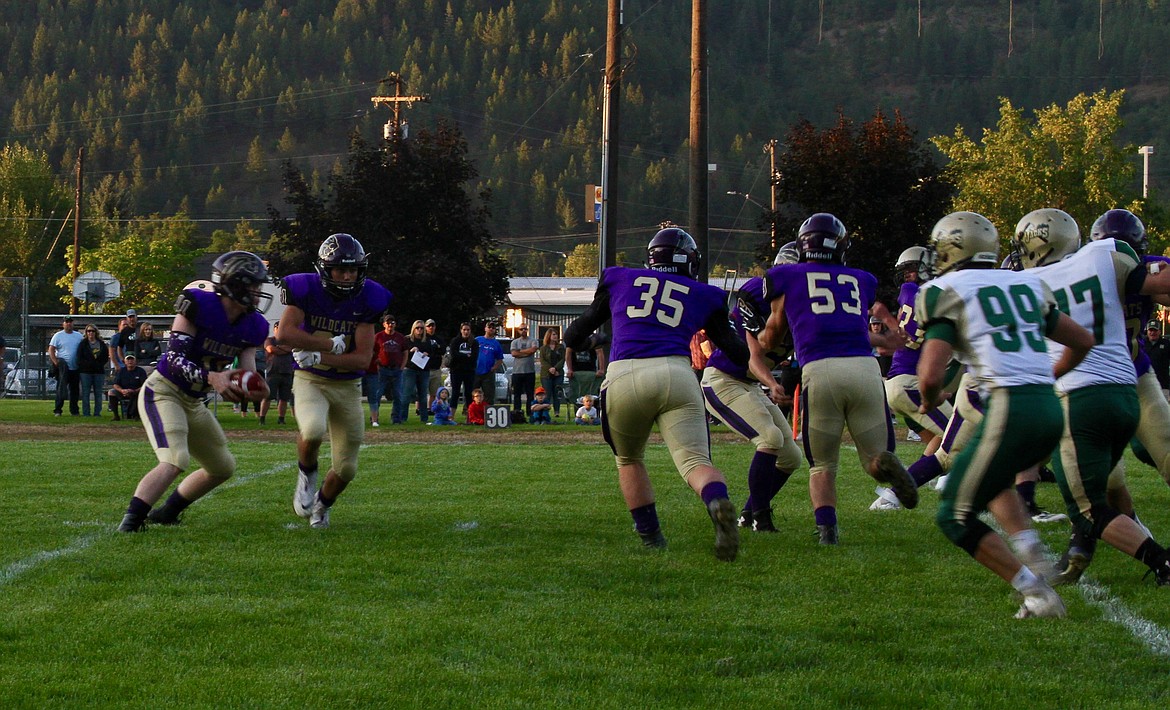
967	534
1103	514
222	467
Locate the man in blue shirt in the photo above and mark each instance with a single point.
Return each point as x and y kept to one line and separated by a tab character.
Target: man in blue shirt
491	359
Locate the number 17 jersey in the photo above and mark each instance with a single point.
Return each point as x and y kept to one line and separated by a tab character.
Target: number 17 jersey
655	313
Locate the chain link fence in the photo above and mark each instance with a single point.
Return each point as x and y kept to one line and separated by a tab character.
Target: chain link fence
25	372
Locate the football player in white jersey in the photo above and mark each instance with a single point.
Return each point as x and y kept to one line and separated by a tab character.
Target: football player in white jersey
1099	397
995	322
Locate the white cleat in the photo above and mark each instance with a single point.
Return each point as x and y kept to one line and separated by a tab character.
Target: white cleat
305	494
886	500
1041	602
320	517
912	436
940	483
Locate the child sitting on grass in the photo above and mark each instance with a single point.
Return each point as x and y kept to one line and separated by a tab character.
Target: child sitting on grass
441	408
475	410
587	413
541	408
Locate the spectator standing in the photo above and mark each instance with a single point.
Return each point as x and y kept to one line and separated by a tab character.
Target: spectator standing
63	355
883	353
462	352
390	347
488	361
524	369
92	356
372	384
124	394
585	368
115	343
420	351
128	334
279	375
435	365
1157	347
552	368
147	348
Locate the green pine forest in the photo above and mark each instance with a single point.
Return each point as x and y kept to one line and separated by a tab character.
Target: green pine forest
191	106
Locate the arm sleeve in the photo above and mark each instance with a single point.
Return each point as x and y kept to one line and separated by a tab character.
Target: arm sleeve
720	332
578	332
178	362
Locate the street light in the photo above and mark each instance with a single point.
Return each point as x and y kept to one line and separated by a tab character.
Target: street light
749	198
1146	151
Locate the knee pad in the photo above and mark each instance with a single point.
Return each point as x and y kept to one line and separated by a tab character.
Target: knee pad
967	534
1103	514
222	468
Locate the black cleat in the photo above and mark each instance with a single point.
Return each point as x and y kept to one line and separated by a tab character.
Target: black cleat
163	515
653	539
132	523
726	533
745	519
1161	571
827	534
762	521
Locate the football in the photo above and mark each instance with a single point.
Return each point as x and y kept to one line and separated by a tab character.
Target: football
248	380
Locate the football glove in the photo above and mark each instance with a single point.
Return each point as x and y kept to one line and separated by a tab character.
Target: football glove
753	322
306	358
339	345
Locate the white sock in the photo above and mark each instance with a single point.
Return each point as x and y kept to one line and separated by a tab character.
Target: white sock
1025	580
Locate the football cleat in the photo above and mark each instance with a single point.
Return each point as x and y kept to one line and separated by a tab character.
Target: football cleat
827	534
1073	568
164	515
889	470
1041	602
319	519
132	523
305	494
653	539
940	483
886	500
912	435
726	533
745	519
762	521
1043	516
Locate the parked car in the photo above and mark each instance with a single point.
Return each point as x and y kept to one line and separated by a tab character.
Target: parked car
30	377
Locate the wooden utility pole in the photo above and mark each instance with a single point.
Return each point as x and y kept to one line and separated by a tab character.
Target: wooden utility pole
394	126
76	230
607	229
699	176
774	181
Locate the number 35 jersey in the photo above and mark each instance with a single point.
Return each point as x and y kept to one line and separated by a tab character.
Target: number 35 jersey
826	307
655	313
1090	287
996	320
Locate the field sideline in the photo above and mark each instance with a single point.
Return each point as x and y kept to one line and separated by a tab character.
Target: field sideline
494	574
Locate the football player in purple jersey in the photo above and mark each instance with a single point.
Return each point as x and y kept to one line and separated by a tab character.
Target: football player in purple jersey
329	320
734	395
654	312
826	306
209	332
902	393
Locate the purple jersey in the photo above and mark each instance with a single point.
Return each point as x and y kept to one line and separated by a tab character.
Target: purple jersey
753	292
655	314
826	307
326	315
905	360
216	341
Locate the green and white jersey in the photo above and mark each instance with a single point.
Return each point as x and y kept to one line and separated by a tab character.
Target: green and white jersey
995	320
1090	286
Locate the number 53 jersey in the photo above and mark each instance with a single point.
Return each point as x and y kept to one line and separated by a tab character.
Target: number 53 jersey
996	321
826	307
655	313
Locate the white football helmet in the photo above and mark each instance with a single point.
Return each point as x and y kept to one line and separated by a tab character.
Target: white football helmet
917	259
1043	237
788	254
961	239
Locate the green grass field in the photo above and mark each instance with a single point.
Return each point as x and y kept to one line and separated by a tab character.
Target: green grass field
488	574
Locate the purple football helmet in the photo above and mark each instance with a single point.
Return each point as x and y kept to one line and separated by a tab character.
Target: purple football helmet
341	250
1122	225
673	251
823	238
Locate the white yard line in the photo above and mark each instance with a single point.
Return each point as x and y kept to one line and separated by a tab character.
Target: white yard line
1154	637
18	568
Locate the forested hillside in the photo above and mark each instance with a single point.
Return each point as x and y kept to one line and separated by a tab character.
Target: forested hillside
192	105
